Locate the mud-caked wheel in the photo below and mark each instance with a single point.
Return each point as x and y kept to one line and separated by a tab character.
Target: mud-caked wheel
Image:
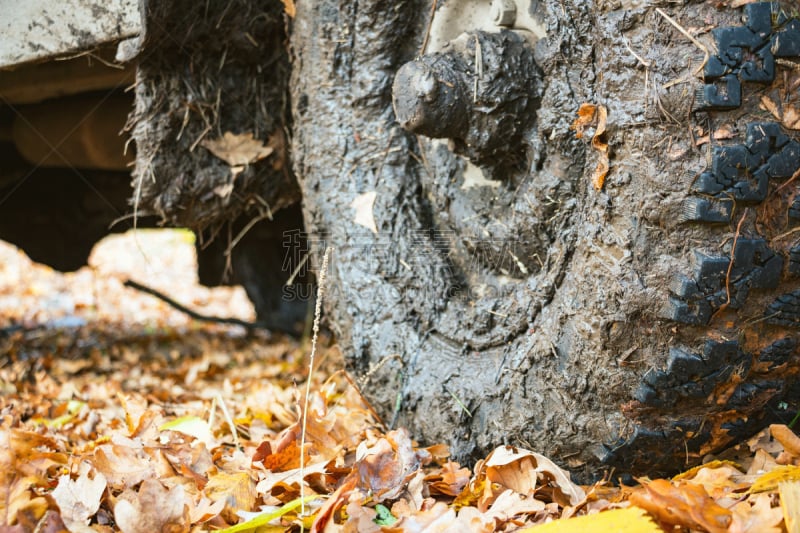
505	292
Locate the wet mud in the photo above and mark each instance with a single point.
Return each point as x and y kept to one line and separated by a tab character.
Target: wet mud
522	305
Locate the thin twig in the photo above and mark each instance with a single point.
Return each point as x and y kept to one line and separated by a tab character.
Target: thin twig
317	312
788	182
183	309
264	215
686	34
730	265
428	30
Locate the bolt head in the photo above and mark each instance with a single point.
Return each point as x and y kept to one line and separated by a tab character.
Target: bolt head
503	12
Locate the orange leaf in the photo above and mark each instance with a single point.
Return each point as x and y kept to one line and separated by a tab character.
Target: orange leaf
449	481
684	504
787	438
586	114
589	115
289	8
286	459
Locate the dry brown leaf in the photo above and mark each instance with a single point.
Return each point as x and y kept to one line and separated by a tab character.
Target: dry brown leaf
719	480
237	490
756	514
123	466
205	510
384	467
791	118
152	508
363	205
682	504
510	504
450	480
772	105
79	500
788	439
439	518
333	503
359	517
237	150
267	480
521	470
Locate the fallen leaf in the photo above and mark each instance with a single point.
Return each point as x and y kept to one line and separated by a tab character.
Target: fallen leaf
770	480
193	426
363	204
334	502
719	479
152	508
286	459
521	470
773	106
79	500
237	149
384	467
628	520
510	504
791	118
205	510
123	466
450	480
682	504
790	503
595	115
289	8
788	439
757	514
237	490
438	518
360	518
263	519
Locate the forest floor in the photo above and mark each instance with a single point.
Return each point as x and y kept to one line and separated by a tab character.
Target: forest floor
119	413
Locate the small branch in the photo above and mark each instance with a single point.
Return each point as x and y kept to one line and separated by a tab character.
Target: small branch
428	30
689	36
730	266
183	309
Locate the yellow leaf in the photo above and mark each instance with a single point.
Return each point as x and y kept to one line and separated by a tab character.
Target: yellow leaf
192	426
771	479
790	503
630	520
238	490
265	518
689	474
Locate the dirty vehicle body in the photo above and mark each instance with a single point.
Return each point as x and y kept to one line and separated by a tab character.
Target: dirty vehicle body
70	75
490	281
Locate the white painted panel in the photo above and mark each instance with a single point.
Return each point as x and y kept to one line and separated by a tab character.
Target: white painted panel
32	30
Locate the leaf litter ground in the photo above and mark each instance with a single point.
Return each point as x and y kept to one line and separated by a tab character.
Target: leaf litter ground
121	414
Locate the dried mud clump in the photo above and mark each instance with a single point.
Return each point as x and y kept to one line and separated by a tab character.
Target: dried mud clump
209	72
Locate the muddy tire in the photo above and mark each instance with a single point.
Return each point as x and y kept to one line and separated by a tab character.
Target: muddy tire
640	326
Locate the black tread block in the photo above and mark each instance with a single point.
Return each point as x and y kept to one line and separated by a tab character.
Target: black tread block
716	282
785	310
747	53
